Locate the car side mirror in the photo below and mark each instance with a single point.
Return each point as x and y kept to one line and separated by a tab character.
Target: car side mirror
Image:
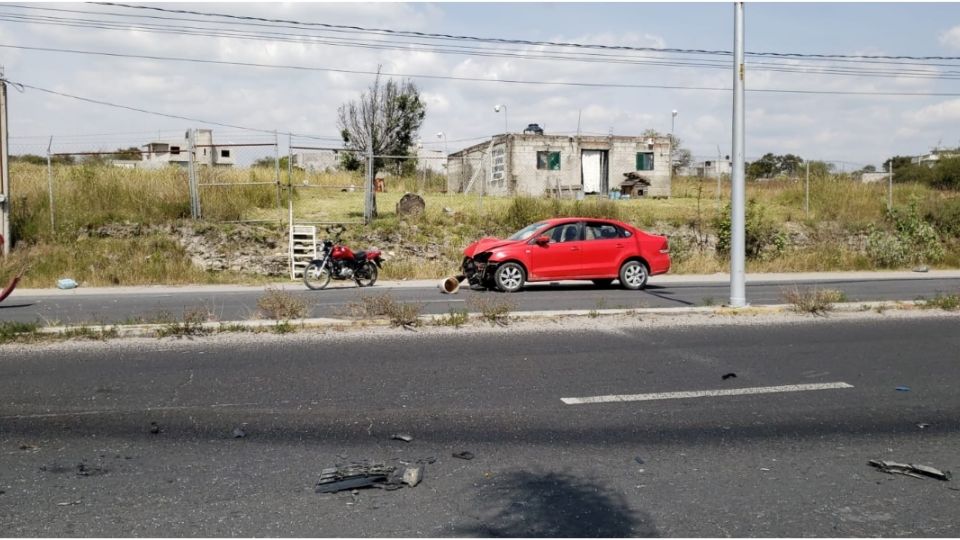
542	241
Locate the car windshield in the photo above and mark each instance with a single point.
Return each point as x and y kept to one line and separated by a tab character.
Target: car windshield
527	231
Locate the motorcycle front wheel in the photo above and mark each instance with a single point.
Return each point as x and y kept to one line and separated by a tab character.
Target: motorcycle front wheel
315	277
366	275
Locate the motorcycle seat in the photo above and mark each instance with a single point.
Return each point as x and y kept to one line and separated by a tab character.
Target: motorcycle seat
360	255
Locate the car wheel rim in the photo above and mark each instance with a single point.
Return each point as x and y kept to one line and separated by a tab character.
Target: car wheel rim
634	275
510	277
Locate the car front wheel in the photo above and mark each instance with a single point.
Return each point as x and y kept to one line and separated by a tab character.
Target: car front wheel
509	277
634	275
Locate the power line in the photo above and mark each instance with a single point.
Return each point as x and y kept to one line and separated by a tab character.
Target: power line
483	80
167	115
591	57
523	41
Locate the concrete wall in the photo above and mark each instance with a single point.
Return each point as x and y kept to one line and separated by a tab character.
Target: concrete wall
509	164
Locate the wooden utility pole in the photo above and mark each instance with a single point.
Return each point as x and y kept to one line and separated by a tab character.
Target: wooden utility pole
5	199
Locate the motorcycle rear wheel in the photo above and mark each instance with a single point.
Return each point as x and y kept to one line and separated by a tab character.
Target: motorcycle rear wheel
366	275
316	278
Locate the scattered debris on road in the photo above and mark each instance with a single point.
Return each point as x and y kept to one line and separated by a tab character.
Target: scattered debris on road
903	389
239	433
910	469
68	503
639	460
401	437
154	428
465	454
412	476
729	376
923	425
361	475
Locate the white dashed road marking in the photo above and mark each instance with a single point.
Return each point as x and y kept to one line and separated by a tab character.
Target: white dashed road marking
706	393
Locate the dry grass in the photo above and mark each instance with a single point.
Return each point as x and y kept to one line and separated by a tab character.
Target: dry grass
493	309
384	305
813	300
89	196
280	305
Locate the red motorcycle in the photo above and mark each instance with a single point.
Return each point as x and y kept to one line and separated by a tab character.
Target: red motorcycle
337	261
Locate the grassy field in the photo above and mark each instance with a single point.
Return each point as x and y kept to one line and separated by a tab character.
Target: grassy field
90	196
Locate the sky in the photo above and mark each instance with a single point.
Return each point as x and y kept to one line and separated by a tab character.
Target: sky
853	130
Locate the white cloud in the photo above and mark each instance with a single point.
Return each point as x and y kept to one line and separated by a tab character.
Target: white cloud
951	38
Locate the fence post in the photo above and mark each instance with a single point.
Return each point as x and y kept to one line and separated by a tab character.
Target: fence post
276	175
53	225
806	200
192	172
368	206
890	187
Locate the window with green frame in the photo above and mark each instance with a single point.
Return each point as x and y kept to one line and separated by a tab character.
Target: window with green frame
549	161
644	161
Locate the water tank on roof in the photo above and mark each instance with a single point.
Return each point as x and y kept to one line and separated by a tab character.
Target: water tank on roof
534	129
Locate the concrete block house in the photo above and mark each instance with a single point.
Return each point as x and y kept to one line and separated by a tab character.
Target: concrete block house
537	164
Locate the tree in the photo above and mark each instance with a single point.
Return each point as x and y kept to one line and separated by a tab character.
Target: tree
898	162
869	168
766	167
789	164
132	153
820	169
384	121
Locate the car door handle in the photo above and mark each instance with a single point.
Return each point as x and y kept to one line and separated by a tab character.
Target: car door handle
619	245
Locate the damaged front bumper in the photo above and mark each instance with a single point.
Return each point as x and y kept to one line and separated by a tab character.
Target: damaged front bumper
478	270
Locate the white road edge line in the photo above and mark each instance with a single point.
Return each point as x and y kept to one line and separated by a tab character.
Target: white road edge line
705	393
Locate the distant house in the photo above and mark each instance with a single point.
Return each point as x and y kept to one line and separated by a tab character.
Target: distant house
931	158
534	163
871	177
708	168
317	160
177	152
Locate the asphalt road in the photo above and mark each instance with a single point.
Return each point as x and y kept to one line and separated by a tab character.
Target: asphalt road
777	464
334	302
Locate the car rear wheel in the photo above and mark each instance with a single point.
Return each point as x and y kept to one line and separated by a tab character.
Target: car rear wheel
634	275
602	282
509	277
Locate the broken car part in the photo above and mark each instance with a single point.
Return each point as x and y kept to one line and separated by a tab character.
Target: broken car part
910	469
466	454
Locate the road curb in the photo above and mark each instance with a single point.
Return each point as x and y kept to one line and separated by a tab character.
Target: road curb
209	328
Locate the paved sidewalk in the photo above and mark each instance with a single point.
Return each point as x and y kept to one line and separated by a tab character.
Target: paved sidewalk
668	279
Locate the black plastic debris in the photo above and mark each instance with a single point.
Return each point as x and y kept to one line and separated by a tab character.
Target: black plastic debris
362	474
910	469
729	376
903	389
401	437
639	460
466	454
239	433
154	428
353	476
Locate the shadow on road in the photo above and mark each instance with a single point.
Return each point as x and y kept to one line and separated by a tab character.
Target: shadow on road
540	505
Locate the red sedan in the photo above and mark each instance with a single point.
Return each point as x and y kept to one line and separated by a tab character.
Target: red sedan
599	250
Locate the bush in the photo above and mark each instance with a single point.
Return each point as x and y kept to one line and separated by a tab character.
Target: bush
944	215
815	301
913	240
763	238
281	305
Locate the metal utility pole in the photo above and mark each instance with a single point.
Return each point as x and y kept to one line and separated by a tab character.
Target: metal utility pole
53	225
673	120
719	155
192	172
276	175
368	207
5	199
806	200
738	296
